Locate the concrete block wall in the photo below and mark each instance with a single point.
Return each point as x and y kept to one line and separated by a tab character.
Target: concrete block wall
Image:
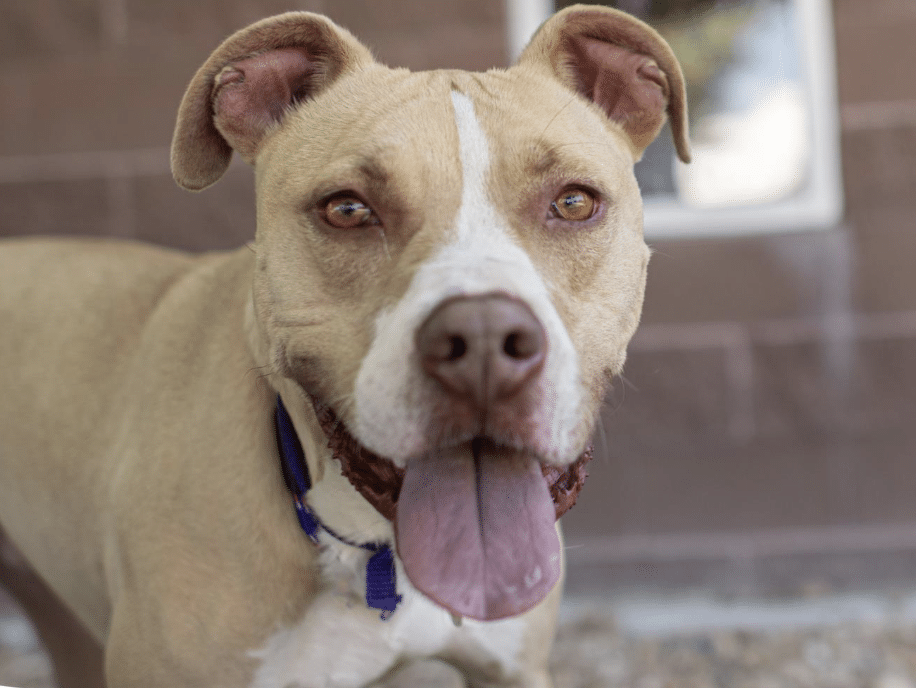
764	441
764	438
89	91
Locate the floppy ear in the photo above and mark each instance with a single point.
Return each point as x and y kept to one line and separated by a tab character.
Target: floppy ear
620	64
249	83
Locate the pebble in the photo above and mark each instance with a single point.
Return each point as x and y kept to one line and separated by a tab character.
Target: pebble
893	681
590	652
850	655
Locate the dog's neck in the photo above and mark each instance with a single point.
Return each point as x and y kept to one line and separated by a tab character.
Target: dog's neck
381	575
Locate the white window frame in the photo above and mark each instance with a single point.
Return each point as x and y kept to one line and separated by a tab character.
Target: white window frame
818	206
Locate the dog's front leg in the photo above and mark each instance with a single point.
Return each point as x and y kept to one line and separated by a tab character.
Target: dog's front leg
540	679
533	678
442	675
423	673
134	657
150	645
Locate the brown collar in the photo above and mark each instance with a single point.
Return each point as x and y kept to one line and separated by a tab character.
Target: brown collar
379	480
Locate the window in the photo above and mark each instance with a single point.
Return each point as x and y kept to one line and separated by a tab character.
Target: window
762	98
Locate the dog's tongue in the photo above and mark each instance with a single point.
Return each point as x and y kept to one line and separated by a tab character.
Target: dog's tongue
475	531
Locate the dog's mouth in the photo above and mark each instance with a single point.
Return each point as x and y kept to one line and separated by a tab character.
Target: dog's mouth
475	530
474	522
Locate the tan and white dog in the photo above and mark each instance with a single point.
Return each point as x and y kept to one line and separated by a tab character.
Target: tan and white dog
447	270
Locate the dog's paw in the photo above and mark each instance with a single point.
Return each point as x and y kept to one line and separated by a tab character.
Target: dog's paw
423	674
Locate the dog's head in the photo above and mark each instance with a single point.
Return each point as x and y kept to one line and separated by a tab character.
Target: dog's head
453	263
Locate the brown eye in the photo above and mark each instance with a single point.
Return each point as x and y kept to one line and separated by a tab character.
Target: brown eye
574	205
347	212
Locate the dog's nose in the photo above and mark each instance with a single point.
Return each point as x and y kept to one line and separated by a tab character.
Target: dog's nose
484	348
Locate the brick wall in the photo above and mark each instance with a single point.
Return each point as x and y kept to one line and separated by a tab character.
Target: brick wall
764	437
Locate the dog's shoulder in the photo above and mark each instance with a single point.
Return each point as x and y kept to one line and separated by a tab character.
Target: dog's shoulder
73	309
64	279
62	272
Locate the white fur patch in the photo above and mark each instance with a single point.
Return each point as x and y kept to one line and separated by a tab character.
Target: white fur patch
341	643
480	257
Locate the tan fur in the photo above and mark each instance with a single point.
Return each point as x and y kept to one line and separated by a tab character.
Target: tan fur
138	465
550	48
200	155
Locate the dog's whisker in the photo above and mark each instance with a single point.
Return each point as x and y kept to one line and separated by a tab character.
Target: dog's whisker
628	383
615	399
663	254
259	370
264	372
585	143
557	114
603	444
344	400
381	233
340	405
299	323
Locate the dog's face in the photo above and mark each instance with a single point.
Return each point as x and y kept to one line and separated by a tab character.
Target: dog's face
452	193
453	262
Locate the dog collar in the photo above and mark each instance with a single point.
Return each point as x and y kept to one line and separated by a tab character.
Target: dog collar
381	577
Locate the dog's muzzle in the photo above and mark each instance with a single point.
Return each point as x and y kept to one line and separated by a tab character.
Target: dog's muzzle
484	350
475	515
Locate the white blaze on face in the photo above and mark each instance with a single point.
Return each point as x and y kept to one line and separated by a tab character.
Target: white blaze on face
480	257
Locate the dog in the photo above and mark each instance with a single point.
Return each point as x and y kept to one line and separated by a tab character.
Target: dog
336	457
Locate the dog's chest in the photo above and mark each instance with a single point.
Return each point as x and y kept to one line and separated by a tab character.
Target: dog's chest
342	643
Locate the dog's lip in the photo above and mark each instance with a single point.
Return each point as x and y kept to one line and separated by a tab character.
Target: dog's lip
378	479
474	443
334	425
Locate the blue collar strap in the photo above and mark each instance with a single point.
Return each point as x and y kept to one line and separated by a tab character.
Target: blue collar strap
381	578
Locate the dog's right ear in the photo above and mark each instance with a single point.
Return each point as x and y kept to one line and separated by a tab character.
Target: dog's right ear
621	65
248	85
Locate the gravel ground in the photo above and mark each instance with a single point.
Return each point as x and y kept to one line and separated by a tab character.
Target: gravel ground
23	663
593	651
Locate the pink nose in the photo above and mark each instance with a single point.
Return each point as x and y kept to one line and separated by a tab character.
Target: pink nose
485	349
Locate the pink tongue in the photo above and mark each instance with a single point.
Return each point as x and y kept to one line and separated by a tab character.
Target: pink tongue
475	531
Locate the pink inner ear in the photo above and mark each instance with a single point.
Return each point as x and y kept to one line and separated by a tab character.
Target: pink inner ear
253	93
627	85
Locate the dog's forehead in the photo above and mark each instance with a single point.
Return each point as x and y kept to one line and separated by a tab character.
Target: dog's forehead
402	122
380	122
538	121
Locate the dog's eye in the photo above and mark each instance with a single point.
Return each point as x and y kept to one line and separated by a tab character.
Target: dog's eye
574	204
346	212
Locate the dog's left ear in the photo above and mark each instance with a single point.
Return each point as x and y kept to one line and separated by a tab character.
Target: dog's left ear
619	63
249	84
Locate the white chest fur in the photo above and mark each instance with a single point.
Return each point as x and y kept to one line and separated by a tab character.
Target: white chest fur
341	643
